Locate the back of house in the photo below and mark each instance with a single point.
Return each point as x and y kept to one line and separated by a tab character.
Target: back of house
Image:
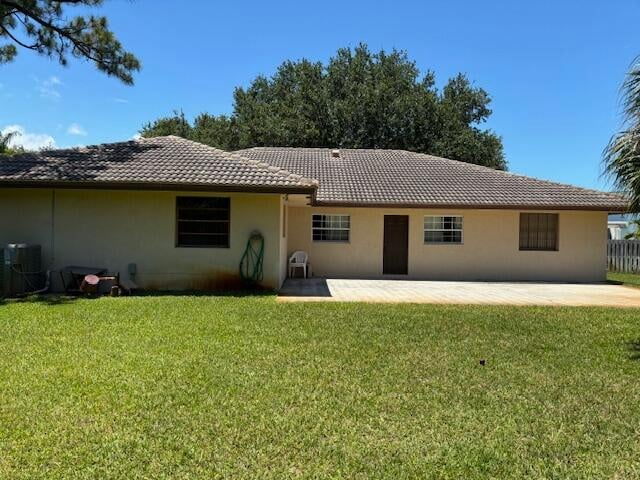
167	213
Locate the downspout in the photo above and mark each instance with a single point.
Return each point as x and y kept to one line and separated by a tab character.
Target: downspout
52	244
53	226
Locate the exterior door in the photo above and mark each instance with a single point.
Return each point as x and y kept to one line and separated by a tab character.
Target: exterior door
395	255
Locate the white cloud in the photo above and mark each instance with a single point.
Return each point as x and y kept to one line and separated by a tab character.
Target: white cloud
120	100
136	136
76	129
28	140
48	88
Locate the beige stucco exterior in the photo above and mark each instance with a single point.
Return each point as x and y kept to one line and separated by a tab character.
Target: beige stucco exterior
112	228
490	249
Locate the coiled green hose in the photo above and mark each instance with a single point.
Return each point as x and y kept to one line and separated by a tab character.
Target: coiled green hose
251	263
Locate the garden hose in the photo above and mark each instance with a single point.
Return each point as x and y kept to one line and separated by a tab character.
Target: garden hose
251	263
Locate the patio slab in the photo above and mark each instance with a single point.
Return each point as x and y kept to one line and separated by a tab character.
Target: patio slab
480	293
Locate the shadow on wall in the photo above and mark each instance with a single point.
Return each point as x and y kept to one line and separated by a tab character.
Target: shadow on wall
77	164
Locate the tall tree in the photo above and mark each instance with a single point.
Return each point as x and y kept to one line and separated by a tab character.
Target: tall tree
176	124
44	26
359	99
5	140
622	155
219	131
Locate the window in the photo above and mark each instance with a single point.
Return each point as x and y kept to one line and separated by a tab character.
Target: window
442	229
539	231
202	222
331	228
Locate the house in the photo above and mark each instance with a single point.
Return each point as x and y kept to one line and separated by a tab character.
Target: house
182	212
620	226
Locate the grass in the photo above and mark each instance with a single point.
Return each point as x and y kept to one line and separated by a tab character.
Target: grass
631	279
213	387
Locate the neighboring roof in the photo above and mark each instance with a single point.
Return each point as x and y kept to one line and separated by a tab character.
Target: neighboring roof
161	162
360	177
623	217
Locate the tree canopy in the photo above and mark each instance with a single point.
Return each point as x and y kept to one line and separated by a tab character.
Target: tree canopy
43	26
622	155
359	99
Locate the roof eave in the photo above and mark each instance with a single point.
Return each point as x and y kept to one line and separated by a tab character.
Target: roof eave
611	208
157	186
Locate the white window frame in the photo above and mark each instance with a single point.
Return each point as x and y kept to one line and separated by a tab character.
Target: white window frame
348	229
461	230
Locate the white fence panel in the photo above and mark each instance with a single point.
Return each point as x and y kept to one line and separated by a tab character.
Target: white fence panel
623	256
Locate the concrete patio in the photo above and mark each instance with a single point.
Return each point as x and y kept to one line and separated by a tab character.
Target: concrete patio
481	293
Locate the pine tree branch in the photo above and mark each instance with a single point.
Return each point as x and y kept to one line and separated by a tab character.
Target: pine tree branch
10	35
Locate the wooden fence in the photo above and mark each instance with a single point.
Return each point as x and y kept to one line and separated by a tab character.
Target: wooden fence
623	256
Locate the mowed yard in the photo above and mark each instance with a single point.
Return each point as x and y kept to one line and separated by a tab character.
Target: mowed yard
245	387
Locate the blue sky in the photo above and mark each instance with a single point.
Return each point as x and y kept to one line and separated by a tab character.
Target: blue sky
553	69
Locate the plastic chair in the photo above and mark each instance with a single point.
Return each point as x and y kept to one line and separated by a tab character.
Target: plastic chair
298	260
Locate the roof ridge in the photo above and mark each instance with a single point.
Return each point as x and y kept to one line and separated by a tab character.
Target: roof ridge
287	175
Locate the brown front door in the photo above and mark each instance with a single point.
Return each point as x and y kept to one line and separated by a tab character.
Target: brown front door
395	255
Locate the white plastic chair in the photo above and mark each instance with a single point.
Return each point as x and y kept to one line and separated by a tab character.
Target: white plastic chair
298	260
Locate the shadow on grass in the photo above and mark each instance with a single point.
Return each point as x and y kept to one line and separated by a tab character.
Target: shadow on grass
45	299
634	347
61	299
201	293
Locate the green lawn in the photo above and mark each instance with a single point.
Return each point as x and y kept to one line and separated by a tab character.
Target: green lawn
206	387
631	279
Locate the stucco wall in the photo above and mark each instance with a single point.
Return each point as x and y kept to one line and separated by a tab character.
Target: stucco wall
490	250
114	228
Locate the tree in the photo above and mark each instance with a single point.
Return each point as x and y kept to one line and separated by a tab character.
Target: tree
635	235
622	154
219	131
359	99
5	140
176	124
43	26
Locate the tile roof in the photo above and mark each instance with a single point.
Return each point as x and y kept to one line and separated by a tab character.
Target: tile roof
362	177
149	162
358	177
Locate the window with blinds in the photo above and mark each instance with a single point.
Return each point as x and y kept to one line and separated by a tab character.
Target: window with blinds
539	231
202	222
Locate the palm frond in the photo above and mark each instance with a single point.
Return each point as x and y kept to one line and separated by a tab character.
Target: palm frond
622	154
5	139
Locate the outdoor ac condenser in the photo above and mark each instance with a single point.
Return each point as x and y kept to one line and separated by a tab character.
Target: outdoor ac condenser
21	270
